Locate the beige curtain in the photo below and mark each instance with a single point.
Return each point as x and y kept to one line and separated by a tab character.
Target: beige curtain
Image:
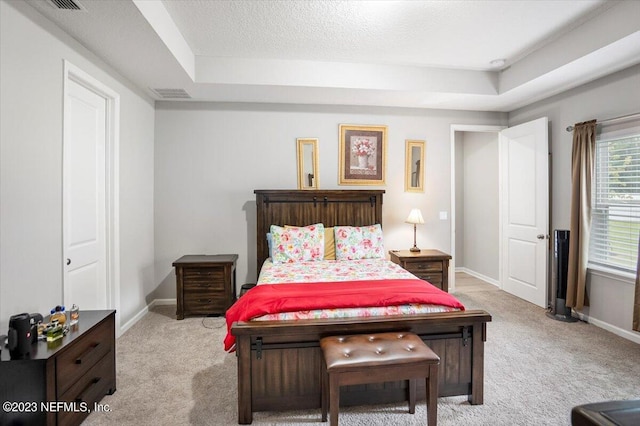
582	164
636	304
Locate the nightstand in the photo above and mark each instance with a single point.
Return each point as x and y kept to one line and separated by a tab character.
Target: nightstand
205	284
428	265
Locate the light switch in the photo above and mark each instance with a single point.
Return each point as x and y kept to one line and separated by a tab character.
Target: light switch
444	216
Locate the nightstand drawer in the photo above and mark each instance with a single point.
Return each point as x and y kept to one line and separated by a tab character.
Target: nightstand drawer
204	278
429	265
435	279
423	267
203	303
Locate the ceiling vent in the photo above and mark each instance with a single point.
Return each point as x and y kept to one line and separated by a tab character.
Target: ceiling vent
65	5
171	93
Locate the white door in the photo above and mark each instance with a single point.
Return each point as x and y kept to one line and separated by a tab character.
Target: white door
84	198
524	164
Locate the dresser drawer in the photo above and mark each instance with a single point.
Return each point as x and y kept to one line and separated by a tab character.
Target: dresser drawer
423	267
88	389
83	354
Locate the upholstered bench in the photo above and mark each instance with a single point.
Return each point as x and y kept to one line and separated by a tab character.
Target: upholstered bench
373	358
608	413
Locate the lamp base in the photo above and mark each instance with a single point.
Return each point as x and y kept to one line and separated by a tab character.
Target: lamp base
414	249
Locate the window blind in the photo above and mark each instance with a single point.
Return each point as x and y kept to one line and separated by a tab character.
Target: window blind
615	214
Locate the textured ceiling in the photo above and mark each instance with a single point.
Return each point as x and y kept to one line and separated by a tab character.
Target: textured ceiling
451	34
419	54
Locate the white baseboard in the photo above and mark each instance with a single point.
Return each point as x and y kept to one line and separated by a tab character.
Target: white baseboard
479	276
137	317
629	335
160	302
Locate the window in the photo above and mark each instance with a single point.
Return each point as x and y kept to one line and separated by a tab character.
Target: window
615	214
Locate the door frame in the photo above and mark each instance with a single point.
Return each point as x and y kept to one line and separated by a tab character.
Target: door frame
477	128
112	213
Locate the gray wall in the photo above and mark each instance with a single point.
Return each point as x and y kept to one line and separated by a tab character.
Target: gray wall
612	96
479	194
32	51
458	257
210	158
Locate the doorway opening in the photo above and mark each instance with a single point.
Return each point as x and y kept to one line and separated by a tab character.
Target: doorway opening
475	208
500	206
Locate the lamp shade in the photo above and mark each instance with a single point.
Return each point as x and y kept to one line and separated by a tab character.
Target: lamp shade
415	217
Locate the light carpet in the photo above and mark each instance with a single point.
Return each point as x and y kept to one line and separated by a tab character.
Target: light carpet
173	372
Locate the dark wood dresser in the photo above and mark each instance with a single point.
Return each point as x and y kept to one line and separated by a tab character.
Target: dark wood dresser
61	381
205	284
428	265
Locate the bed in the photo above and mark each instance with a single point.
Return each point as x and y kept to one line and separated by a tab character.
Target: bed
279	358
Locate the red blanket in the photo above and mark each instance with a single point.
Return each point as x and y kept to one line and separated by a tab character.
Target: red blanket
277	298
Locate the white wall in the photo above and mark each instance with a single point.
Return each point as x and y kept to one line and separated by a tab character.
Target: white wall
210	158
612	96
32	51
480	196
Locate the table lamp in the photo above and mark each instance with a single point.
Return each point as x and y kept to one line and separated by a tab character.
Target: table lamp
415	217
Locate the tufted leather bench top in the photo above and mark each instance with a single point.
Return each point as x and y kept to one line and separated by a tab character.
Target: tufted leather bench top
379	349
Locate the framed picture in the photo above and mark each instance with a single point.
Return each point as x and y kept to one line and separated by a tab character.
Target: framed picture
363	154
307	153
414	166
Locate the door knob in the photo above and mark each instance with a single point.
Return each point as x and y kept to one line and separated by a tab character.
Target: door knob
540	236
68	261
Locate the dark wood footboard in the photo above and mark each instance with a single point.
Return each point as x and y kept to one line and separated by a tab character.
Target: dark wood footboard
279	362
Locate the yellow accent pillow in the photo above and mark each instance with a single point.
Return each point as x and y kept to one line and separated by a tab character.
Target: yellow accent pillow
329	243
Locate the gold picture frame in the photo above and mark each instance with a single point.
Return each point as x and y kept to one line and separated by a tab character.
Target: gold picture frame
363	154
414	165
307	158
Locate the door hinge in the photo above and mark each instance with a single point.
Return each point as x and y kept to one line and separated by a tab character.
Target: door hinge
259	348
465	336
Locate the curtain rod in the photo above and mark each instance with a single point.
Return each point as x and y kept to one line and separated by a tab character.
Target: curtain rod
609	120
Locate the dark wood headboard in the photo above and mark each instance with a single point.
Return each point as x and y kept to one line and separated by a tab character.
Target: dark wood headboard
305	207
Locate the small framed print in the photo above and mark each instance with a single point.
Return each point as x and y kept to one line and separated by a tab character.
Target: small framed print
414	166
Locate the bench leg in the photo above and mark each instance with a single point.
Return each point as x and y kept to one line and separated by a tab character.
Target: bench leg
334	400
412	396
324	391
432	395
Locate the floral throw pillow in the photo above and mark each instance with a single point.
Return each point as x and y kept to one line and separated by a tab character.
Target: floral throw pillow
297	244
359	242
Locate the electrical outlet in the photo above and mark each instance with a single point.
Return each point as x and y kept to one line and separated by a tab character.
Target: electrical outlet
444	215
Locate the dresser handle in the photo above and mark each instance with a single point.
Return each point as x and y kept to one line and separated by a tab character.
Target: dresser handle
205	300
79	360
92	383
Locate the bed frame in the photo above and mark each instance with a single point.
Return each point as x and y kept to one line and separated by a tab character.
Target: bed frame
279	361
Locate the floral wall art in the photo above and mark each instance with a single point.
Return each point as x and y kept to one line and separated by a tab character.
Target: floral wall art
362	154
